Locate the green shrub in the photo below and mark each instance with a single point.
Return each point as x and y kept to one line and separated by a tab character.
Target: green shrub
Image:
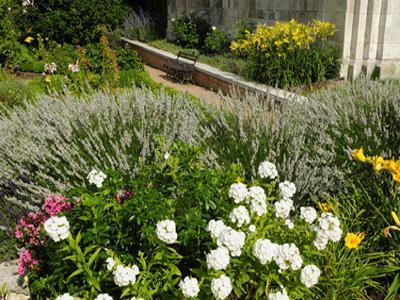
129	59
290	53
185	32
29	62
75	22
216	42
8	32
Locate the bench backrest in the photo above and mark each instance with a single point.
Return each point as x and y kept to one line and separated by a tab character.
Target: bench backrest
190	56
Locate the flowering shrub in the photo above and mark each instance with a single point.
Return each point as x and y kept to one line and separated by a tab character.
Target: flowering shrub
184	230
185	31
289	53
216	41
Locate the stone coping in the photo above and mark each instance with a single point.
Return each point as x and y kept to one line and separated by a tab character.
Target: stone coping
234	80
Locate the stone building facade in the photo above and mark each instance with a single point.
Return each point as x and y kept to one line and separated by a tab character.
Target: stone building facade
368	30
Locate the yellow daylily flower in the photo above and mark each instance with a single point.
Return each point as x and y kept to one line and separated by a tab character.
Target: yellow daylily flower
325	207
353	240
386	230
358	155
47	79
238	179
29	39
378	163
396	176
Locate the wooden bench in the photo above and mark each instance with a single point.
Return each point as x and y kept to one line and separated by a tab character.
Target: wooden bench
181	69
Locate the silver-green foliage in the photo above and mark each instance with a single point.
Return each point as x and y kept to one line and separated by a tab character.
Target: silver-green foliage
56	143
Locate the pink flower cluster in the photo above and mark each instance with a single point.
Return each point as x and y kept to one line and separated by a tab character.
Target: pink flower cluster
26	262
56	204
28	228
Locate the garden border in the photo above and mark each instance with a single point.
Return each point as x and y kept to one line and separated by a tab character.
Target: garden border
210	77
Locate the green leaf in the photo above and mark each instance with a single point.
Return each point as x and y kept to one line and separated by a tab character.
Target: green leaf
76	273
93	257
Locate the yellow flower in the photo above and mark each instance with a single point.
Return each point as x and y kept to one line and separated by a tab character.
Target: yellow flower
358	155
378	163
396	176
325	207
353	240
238	179
386	230
26	280
29	39
47	79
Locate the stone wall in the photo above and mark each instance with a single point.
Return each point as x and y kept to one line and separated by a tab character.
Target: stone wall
368	30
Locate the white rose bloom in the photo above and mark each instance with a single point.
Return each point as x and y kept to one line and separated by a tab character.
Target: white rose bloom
218	259
215	228
310	275
96	177
252	228
267	170
110	263
238	192
287	189
57	228
233	240
221	287
288	256
65	297
308	214
189	287
289	223
103	297
283	208
166	231
240	216
265	250
281	295
124	276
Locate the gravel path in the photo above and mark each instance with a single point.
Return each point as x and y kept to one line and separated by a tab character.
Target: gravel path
209	97
9	275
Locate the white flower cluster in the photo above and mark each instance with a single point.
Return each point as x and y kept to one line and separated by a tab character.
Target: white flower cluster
267	170
124	276
110	263
327	229
308	214
287	189
280	295
221	287
50	68
134	298
283	208
310	275
96	177
240	216
265	250
238	192
57	228
227	237
233	240
103	297
288	256
218	259
256	197
166	231
65	297
189	287
285	256
215	228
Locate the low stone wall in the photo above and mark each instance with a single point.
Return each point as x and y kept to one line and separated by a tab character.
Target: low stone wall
212	78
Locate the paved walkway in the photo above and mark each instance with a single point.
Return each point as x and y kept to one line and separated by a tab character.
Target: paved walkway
209	97
9	276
